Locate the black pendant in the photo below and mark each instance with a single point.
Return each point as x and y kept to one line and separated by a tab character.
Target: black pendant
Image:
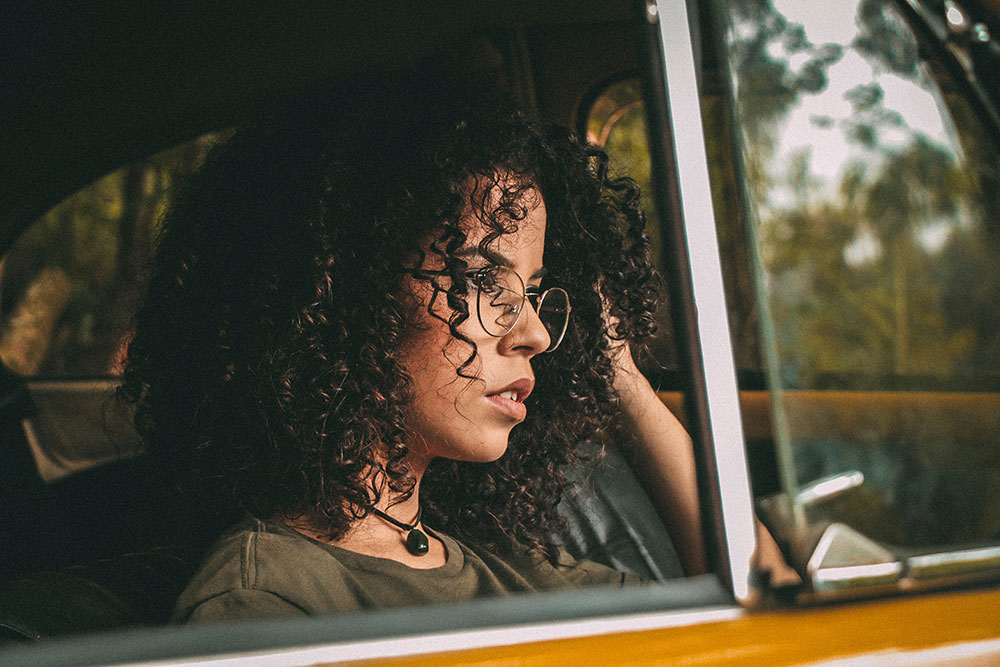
416	542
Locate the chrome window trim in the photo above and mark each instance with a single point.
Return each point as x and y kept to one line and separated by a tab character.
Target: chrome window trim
401	647
709	296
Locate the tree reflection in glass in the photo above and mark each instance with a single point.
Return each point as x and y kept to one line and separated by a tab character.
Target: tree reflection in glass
872	186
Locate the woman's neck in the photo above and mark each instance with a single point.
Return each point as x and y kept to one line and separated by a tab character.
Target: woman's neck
374	536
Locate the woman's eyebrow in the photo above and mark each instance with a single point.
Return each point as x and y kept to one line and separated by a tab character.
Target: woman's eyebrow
500	258
474	251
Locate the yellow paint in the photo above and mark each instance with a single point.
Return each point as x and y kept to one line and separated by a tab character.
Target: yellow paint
786	637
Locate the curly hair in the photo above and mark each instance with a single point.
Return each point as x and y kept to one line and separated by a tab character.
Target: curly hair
264	364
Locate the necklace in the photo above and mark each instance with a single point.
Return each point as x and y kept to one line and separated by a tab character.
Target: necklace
416	540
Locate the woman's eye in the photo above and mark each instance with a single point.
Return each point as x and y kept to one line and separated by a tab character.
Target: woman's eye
486	281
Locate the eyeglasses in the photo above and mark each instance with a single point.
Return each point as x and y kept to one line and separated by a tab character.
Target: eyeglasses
500	297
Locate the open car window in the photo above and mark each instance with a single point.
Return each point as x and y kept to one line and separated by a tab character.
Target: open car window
68	290
90	484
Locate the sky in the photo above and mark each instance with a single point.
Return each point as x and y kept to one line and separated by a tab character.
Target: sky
826	142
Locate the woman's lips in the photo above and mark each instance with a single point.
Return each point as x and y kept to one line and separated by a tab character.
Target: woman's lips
509	407
510	399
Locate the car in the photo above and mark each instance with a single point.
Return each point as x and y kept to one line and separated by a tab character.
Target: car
820	181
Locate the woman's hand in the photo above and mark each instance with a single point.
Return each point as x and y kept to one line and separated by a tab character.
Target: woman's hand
768	559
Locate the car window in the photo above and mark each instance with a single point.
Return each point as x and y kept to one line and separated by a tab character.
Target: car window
68	290
71	282
871	184
852	179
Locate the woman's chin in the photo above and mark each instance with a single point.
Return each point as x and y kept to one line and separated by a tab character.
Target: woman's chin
495	456
483	452
495	449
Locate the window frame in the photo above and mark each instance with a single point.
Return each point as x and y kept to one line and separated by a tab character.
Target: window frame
407	631
694	276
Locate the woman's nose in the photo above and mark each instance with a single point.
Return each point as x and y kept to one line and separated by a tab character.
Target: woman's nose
529	334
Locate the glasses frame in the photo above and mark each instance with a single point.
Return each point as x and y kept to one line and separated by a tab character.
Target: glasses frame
531	294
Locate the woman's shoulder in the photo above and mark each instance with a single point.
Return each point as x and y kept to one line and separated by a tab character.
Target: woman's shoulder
525	569
263	568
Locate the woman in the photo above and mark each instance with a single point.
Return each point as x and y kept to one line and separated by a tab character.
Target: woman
380	321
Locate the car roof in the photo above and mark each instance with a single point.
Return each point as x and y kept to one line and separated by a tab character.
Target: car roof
88	87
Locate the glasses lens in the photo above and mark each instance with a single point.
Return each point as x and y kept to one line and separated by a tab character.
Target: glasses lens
553	311
501	297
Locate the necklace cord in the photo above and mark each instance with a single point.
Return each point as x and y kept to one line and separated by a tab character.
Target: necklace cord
396	522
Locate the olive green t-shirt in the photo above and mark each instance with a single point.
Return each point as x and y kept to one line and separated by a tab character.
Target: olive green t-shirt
264	568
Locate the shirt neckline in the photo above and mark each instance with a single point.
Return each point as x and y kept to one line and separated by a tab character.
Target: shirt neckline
454	559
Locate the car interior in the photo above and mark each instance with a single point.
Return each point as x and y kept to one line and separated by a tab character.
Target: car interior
88	545
90	90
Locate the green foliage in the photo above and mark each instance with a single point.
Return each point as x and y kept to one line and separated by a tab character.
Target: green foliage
853	283
72	281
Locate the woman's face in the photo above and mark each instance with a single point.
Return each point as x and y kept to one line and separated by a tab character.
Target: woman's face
471	420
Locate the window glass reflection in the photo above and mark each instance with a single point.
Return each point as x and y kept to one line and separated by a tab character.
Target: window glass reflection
873	189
